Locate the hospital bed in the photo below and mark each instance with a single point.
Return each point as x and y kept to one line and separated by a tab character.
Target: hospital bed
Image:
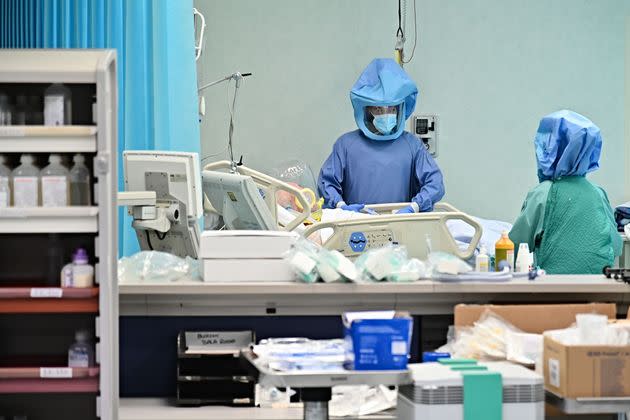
237	197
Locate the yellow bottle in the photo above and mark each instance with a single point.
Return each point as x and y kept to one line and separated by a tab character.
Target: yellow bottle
504	251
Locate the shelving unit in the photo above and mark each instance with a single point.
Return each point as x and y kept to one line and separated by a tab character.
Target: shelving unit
49	220
36	139
40	300
26	303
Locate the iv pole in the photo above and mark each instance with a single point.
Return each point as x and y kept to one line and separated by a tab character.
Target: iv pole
237	77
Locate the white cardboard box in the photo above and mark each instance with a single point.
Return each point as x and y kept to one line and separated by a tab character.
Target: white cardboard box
251	244
244	270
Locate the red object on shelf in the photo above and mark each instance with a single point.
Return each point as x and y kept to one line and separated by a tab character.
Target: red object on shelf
36	372
21	300
39	386
18	380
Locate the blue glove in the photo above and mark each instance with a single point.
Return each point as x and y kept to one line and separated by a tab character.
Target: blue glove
406	210
353	207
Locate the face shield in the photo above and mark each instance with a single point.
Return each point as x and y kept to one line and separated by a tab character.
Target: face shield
383	121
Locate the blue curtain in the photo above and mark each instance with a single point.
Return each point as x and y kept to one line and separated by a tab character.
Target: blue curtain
157	78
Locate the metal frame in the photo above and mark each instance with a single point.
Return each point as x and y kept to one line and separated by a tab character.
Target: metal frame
96	67
190	298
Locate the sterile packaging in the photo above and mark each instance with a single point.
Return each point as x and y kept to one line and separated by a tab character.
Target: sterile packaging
249	244
412	270
377	340
486	340
301	354
302	258
362	400
155	266
333	266
378	264
445	263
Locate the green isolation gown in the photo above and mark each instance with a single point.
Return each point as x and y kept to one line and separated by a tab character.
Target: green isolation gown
569	225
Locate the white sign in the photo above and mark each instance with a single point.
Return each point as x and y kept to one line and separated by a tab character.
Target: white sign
55	372
46	292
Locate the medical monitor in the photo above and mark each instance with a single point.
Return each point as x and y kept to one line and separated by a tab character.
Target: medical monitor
169	174
172	224
238	199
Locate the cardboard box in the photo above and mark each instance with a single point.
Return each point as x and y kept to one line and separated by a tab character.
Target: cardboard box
534	319
250	244
377	340
586	371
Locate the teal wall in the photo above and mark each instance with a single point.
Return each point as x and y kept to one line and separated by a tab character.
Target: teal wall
489	68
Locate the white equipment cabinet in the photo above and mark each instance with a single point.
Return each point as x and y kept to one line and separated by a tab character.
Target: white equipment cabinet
38	319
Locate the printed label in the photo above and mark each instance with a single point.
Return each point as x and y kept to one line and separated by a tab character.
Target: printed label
46	292
510	258
55	372
55	191
399	348
25	191
78	358
53	110
554	373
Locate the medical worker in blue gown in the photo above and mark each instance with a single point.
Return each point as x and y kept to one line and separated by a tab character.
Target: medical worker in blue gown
380	162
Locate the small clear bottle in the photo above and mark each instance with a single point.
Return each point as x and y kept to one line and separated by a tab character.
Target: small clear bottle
54	179
5	183
79	273
80	187
81	352
57	105
482	262
26	183
5	109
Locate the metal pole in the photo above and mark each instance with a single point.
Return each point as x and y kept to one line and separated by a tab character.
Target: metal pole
315	410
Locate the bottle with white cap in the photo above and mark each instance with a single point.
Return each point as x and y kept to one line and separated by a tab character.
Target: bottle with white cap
482	262
57	105
80	182
5	183
54	183
81	352
523	260
26	183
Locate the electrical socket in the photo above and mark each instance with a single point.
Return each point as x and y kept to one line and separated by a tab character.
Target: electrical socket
425	127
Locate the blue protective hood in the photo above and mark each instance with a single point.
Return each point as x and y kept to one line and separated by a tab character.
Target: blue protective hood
567	144
383	83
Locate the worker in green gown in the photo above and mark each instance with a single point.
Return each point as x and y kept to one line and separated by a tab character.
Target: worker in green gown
566	220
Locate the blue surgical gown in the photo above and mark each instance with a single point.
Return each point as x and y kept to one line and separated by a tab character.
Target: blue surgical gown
364	171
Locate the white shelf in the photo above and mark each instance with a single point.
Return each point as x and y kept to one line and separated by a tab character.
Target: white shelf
49	220
39	138
163	409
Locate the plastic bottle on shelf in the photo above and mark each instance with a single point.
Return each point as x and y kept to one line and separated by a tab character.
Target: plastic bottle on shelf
80	182
5	183
26	183
79	273
20	110
482	262
54	179
57	105
81	352
5	109
504	250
